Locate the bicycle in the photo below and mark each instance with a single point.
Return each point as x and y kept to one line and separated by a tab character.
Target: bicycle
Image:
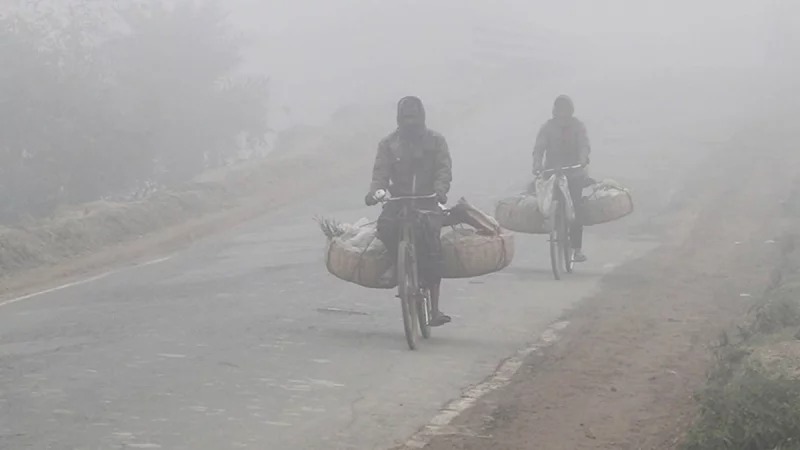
561	214
415	301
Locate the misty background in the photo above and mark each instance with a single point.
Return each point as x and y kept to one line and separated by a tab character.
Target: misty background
101	99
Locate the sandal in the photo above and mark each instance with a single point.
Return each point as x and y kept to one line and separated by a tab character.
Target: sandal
439	320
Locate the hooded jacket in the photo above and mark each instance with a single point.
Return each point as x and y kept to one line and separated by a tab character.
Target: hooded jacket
562	141
416	163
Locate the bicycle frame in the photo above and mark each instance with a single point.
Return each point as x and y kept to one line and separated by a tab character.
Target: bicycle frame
407	217
560	211
416	302
560	192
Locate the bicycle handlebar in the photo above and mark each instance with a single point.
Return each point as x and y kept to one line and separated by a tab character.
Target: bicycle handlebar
561	169
415	197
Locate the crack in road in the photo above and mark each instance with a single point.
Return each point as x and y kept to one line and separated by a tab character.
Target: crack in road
353	411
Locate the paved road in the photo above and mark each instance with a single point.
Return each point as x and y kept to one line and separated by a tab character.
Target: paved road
244	341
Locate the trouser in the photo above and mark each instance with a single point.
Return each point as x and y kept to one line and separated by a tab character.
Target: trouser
427	231
576	229
576	186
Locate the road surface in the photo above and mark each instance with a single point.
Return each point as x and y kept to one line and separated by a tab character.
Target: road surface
244	341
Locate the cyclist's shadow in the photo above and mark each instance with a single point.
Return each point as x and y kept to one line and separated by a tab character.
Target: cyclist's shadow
546	274
390	339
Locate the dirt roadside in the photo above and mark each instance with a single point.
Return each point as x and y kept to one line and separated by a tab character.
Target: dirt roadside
624	372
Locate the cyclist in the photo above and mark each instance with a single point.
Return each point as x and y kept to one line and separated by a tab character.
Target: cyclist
414	161
562	141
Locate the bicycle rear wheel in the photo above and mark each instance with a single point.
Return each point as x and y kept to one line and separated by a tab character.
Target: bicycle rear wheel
407	291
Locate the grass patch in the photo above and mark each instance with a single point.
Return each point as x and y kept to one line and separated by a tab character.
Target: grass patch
751	400
747	405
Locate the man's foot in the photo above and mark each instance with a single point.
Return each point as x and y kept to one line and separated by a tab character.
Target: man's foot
439	319
579	257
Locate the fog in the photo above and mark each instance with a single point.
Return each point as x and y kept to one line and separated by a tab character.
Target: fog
191	84
649	78
133	130
324	54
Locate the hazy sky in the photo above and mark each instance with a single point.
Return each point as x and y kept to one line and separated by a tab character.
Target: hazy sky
322	52
325	53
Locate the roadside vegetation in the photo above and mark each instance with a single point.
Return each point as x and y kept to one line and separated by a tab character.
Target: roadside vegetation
752	397
107	99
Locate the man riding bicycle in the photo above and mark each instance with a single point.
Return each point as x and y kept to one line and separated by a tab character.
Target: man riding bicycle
414	161
562	141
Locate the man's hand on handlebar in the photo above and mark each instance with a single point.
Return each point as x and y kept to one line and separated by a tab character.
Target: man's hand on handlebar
373	198
381	195
370	199
562	169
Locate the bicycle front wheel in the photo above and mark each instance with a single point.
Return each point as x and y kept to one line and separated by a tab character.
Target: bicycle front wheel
566	242
424	312
556	255
407	291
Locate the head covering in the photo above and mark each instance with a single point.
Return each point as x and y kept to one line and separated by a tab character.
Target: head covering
410	116
563	107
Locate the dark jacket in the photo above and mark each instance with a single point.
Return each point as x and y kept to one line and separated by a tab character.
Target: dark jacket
561	142
418	165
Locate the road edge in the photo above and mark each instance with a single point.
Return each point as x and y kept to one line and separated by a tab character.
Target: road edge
500	378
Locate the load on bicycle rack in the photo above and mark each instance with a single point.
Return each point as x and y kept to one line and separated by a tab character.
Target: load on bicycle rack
548	209
473	244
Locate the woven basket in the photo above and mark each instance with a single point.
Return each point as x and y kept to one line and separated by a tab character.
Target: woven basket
608	202
468	254
521	214
360	257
